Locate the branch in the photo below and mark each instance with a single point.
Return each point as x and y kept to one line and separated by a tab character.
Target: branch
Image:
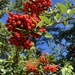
69	19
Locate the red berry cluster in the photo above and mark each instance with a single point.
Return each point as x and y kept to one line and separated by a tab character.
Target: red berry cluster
49	68
21	21
27	23
16	23
18	40
32	68
44	62
36	6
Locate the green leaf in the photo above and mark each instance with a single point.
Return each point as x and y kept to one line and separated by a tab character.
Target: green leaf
40	33
0	43
62	8
58	16
47	35
1	67
45	19
40	24
67	4
1	60
72	11
66	23
63	71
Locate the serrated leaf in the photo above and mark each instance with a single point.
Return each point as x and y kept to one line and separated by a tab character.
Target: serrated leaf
47	35
45	19
40	24
72	11
62	8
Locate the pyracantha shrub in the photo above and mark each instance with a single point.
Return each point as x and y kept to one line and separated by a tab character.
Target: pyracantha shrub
24	26
19	22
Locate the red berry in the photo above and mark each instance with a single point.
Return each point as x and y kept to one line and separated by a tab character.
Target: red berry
43	30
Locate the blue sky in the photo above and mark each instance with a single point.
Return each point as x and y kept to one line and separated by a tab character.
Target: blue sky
57	1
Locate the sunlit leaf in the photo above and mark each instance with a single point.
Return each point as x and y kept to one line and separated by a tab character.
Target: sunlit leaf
40	24
0	43
72	11
40	33
62	8
45	19
1	60
58	16
47	35
67	4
